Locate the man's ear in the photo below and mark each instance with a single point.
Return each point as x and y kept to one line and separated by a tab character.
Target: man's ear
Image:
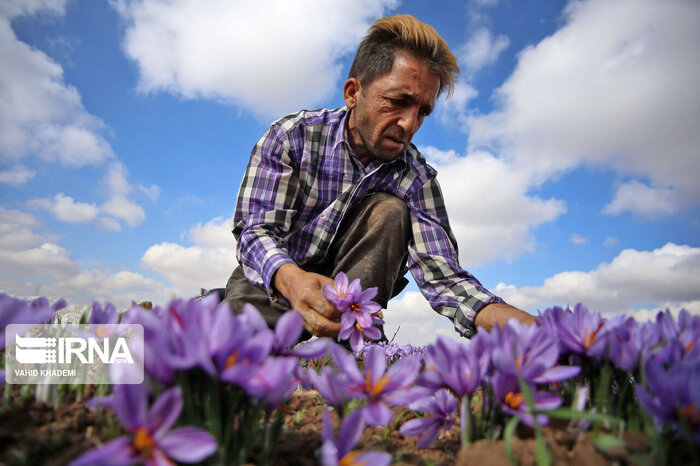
351	92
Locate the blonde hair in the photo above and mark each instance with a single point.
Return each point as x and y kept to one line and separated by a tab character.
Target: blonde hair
393	34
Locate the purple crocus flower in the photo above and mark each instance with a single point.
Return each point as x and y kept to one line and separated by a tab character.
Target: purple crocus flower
582	331
378	385
155	342
507	390
18	311
288	330
671	395
359	313
685	331
338	450
528	352
441	409
454	365
150	440
248	346
103	315
273	382
333	386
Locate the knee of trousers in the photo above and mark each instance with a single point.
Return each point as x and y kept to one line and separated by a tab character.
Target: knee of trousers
387	211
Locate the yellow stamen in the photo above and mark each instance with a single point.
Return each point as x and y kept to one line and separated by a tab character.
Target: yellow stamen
231	360
100	331
377	388
589	338
514	400
349	459
143	442
518	362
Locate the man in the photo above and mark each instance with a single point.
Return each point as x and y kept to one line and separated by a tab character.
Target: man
344	190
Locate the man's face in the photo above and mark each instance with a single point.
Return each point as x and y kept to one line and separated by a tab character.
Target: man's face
388	112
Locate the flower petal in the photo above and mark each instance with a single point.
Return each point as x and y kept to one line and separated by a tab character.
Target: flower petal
377	414
188	444
288	329
165	411
116	452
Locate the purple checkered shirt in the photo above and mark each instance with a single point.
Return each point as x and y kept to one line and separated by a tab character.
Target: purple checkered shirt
303	178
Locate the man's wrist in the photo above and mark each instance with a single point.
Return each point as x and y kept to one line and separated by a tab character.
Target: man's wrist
284	278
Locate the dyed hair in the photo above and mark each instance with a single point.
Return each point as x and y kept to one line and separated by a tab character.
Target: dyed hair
403	33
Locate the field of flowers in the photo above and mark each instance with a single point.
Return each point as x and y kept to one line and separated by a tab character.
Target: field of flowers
225	389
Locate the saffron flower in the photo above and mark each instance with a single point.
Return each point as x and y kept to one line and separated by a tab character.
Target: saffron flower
582	331
671	395
441	410
359	313
378	385
338	450
288	330
528	352
18	311
333	386
452	365
150	439
507	390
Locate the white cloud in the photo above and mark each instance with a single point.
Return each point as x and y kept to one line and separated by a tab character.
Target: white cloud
578	239
207	264
16	230
118	204
491	212
39	113
452	110
642	200
11	8
120	288
16	176
43	116
270	57
668	276
615	87
124	209
108	224
151	192
216	233
47	259
66	209
610	242
30	264
481	49
413	321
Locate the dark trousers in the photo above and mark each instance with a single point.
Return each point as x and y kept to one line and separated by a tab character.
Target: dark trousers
371	244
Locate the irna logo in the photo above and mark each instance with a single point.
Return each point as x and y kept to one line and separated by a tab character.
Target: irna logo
57	354
63	350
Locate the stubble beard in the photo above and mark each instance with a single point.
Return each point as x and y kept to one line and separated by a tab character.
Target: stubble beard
371	149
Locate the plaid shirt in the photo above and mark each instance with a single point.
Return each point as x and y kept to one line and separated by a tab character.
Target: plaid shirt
303	178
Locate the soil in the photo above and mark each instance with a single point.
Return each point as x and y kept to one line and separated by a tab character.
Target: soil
38	433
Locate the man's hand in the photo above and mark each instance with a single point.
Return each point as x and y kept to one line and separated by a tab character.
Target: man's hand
500	313
303	290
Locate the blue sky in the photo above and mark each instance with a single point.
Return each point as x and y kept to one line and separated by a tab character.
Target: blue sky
568	154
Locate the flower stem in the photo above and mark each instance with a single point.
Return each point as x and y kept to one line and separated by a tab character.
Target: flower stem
466	417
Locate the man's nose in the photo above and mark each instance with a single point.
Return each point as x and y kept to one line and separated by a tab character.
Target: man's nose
409	120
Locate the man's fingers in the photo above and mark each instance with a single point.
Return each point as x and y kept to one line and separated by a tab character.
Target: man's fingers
317	324
315	299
